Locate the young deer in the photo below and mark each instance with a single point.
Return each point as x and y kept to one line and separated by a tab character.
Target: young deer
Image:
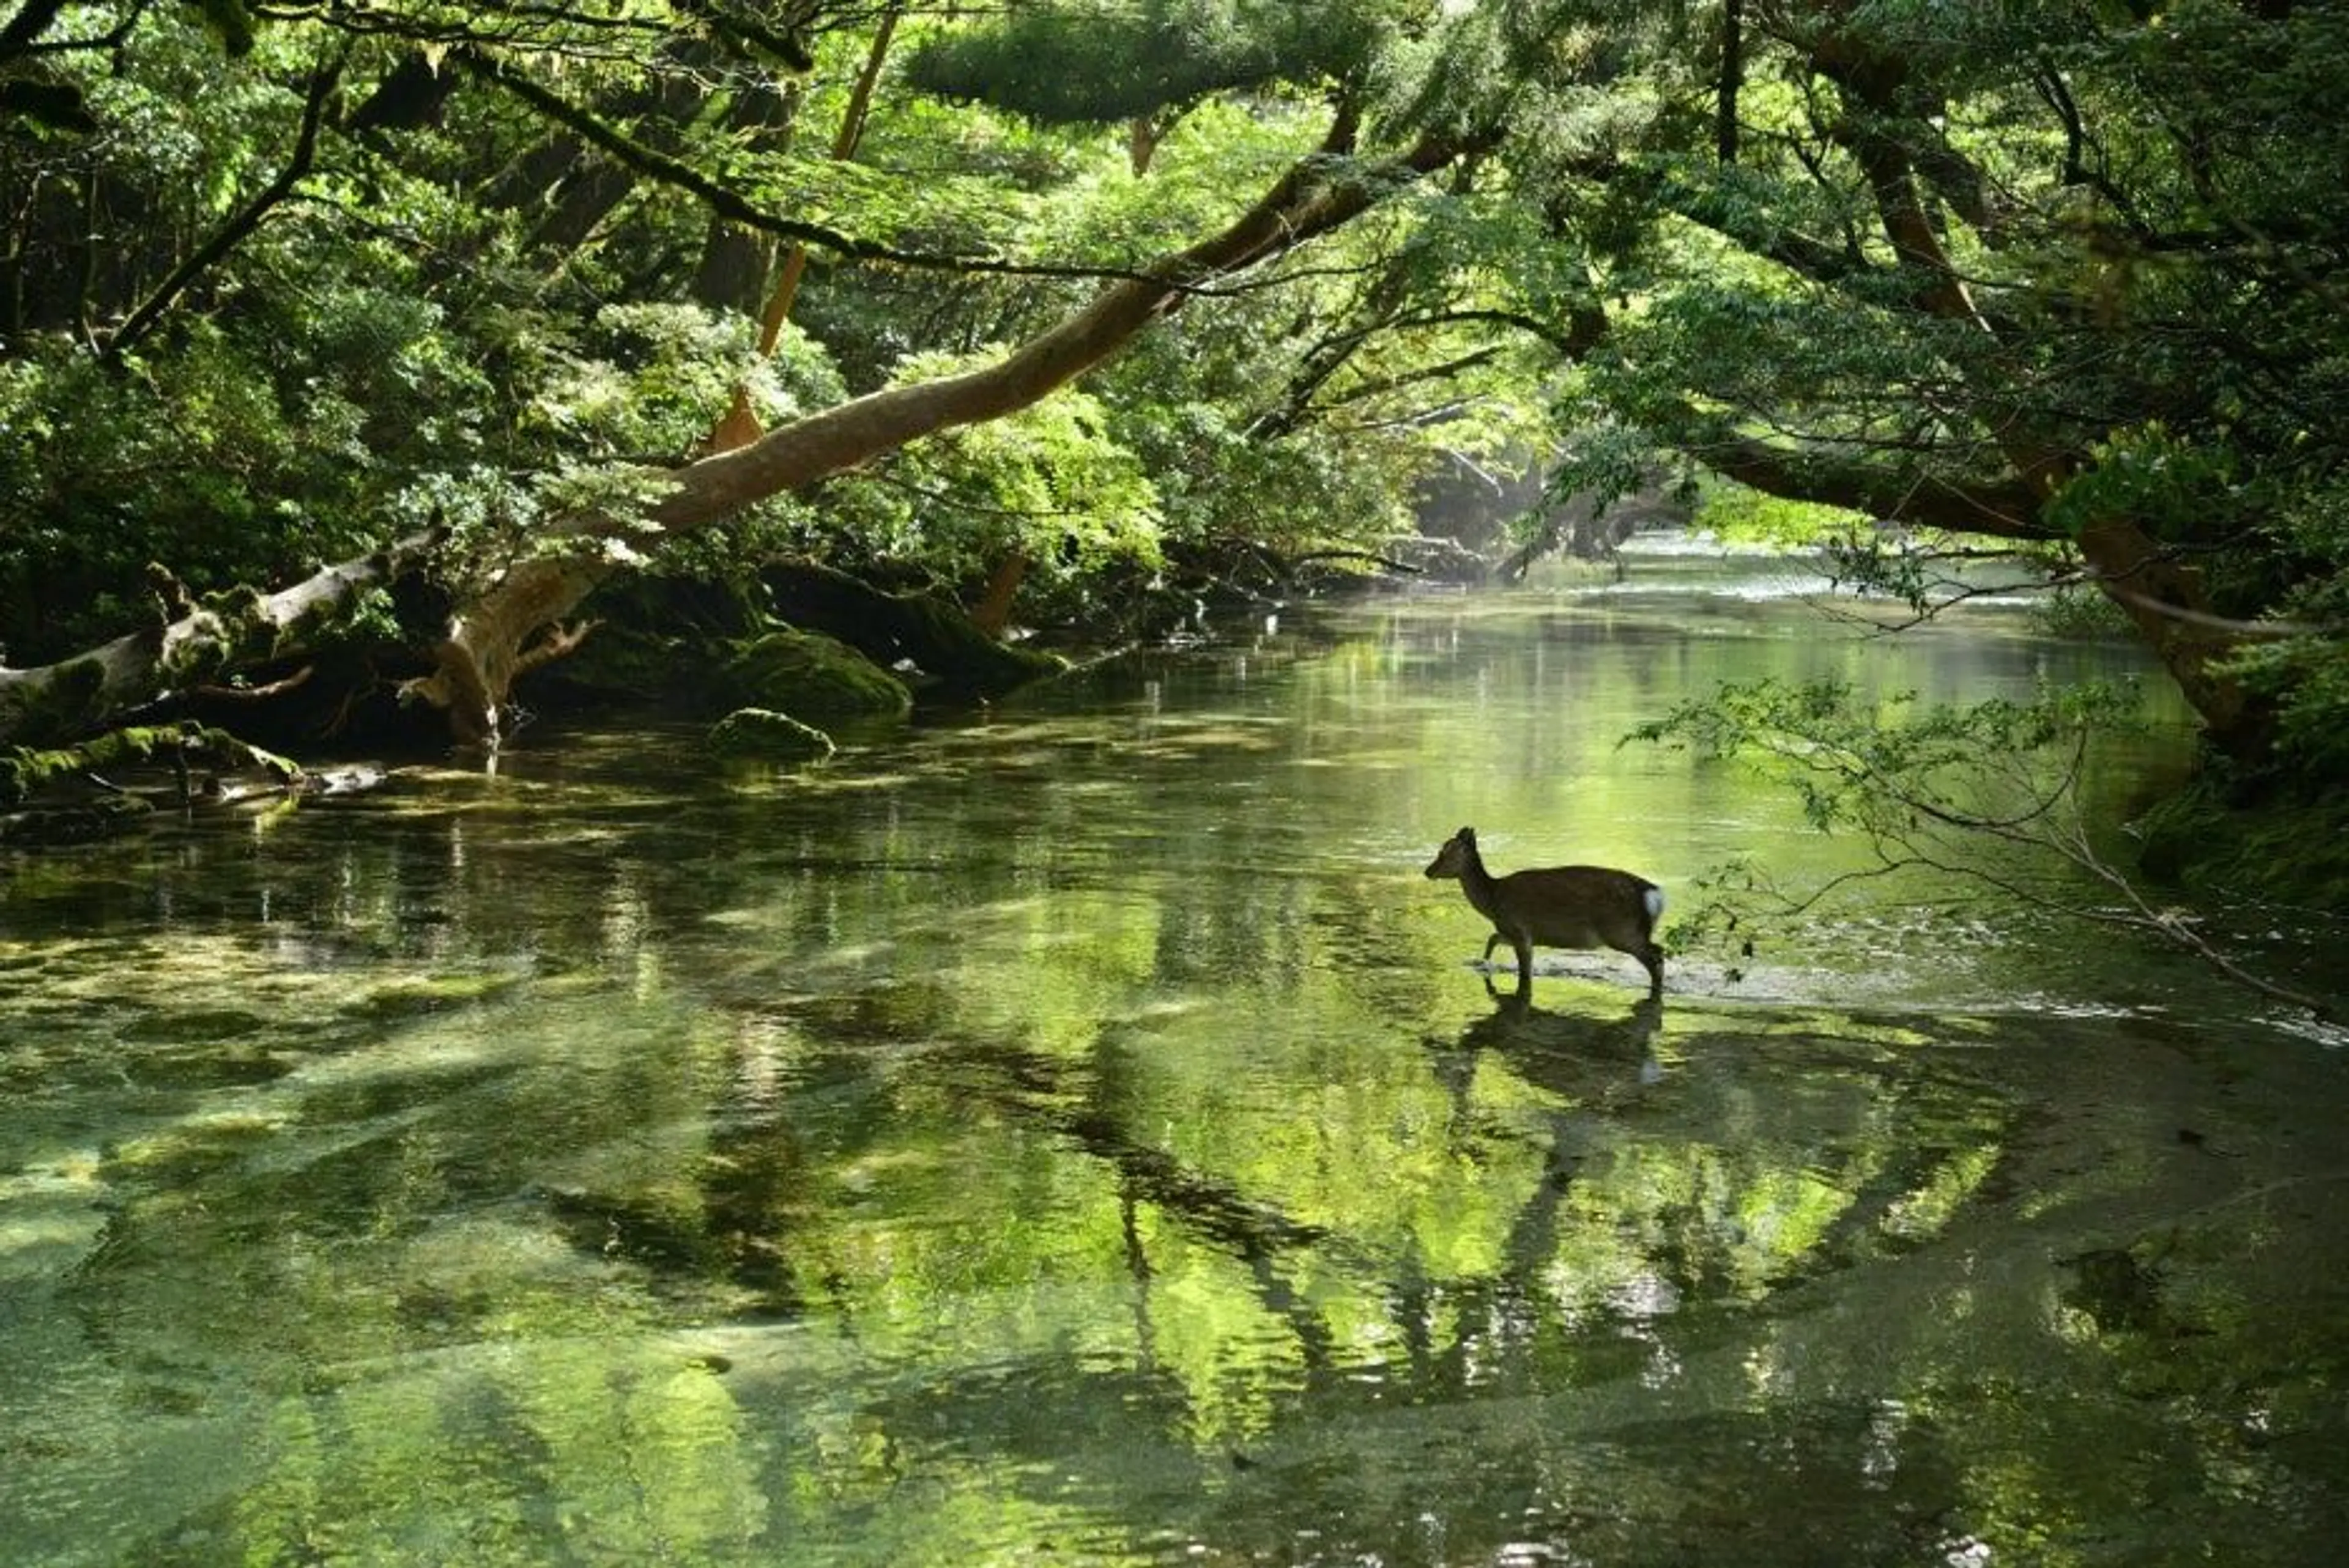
1559	906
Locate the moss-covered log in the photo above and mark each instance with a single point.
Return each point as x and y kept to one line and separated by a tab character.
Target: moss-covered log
191	752
101	786
206	642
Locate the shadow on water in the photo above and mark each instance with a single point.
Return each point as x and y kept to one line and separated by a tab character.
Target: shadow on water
1074	1134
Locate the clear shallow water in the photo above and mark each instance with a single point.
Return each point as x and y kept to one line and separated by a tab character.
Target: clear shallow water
1076	1134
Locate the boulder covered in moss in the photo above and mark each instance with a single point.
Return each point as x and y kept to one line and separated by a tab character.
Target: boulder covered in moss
656	639
932	633
812	674
763	734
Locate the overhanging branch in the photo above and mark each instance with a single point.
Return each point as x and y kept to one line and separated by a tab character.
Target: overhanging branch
2000	509
652	164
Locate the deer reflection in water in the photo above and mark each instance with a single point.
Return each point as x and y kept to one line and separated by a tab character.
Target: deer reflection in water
1581	1058
1591	1071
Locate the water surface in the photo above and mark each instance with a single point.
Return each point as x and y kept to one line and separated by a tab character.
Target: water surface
1075	1133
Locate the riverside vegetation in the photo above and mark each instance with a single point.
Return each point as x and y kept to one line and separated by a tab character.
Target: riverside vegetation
421	369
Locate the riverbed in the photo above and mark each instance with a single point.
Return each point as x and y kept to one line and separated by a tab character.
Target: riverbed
1075	1132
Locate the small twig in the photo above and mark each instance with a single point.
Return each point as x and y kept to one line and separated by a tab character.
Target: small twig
256	694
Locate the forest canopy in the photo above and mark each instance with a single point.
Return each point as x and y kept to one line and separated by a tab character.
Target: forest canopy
397	339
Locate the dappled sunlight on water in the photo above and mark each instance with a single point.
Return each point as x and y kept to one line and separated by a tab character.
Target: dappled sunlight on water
1080	1134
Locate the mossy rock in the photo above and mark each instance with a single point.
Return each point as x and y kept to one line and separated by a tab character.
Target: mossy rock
812	674
764	734
432	994
969	660
631	665
656	637
928	631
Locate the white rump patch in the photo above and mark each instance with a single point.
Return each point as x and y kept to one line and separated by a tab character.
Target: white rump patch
1654	899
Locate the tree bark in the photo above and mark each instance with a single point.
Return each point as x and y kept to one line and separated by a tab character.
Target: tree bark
1733	77
740	426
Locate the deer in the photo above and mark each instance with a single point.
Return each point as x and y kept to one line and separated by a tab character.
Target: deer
1557	906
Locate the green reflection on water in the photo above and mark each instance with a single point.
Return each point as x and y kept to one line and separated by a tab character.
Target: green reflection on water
1075	1133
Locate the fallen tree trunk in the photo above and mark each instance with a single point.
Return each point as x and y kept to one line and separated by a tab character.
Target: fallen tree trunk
192	644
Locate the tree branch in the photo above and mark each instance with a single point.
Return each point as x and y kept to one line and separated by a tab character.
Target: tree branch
2001	509
657	166
149	314
31	20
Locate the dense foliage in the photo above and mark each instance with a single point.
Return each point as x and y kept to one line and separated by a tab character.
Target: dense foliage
471	303
282	287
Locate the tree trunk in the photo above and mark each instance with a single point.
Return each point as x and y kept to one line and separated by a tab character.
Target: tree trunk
2163	600
992	613
2165	603
739	427
490	639
84	693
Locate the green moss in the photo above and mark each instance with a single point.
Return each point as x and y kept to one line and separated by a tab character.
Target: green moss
969	660
432	994
189	1149
812	674
57	706
24	771
241	610
775	736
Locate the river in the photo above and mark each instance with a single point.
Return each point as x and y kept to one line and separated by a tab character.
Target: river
1076	1133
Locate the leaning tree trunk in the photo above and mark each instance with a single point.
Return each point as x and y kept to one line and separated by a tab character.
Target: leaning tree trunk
514	624
514	621
2164	600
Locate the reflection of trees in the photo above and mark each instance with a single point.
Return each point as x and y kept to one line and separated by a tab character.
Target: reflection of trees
1608	1178
1085	1105
938	1104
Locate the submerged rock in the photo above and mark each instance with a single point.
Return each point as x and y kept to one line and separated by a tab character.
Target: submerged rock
774	737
